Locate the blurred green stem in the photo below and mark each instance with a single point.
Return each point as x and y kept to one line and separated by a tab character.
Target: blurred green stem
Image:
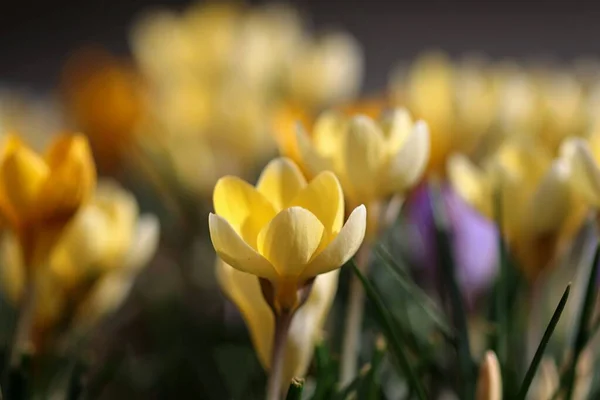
354	318
282	326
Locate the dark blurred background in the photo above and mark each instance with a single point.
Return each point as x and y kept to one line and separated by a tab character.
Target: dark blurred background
36	37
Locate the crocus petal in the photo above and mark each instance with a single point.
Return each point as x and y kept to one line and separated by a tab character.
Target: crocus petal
307	323
234	251
242	206
409	163
342	248
550	203
469	182
72	176
324	198
364	154
328	131
489	383
584	171
280	182
313	161
290	240
397	126
23	174
144	244
81	246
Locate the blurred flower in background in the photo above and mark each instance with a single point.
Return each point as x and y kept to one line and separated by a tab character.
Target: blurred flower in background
206	86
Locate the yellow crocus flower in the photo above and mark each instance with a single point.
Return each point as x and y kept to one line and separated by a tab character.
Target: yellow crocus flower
284	230
38	195
373	159
537	204
93	264
306	326
105	97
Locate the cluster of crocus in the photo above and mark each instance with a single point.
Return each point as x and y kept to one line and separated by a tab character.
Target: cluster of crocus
71	249
205	85
285	232
473	105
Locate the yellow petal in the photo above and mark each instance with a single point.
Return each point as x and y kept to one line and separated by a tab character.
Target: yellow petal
242	206
312	161
234	251
550	204
409	163
342	248
290	240
12	267
307	323
23	174
328	131
244	290
364	154
585	173
144	243
396	125
324	198
72	177
81	247
280	182
489	383
470	183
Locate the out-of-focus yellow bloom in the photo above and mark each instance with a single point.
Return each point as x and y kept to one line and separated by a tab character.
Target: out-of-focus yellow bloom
217	74
289	116
538	209
106	99
307	323
489	383
284	230
92	265
457	101
583	157
373	159
39	195
326	71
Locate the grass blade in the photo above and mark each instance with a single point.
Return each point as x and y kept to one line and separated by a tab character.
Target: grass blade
394	334
415	292
537	358
582	334
326	373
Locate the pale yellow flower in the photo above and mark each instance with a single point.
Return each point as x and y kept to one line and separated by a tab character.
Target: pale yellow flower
458	102
284	230
374	159
538	209
307	323
326	71
92	265
38	195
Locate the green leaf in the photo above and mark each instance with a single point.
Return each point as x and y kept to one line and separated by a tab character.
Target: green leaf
416	293
352	386
295	390
465	361
326	373
371	385
537	358
392	332
583	331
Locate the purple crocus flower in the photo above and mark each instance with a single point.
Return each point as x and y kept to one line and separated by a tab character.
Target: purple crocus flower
475	242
